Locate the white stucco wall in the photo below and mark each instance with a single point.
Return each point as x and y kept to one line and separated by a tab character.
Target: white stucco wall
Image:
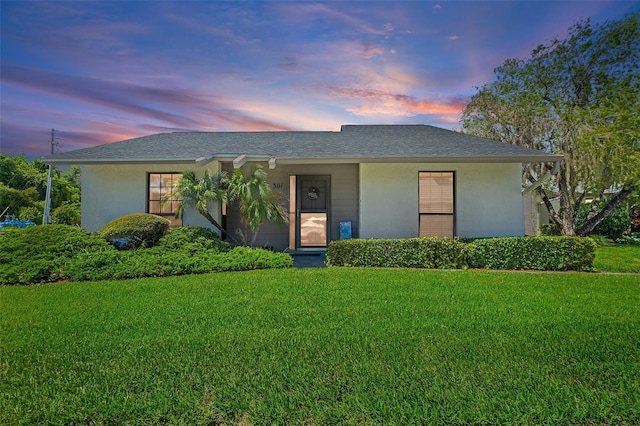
488	199
110	191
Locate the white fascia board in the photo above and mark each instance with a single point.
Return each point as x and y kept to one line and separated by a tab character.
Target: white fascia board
81	161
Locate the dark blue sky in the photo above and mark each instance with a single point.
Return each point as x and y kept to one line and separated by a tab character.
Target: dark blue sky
100	72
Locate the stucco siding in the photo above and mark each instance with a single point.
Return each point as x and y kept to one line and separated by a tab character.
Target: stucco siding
111	191
487	196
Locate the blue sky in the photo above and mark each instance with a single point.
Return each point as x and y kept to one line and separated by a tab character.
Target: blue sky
100	72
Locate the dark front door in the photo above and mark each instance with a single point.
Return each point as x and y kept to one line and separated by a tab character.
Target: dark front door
312	211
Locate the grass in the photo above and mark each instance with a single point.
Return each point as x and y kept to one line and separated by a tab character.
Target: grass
617	258
332	346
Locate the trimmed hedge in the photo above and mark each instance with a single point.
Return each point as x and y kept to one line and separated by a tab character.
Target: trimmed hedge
135	230
537	253
436	253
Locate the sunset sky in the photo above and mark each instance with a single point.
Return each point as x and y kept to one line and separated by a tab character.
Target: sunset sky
100	72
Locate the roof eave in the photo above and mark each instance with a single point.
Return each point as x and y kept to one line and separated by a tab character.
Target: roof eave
96	161
312	160
429	159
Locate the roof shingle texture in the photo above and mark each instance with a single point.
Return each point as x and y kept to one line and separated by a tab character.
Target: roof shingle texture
353	142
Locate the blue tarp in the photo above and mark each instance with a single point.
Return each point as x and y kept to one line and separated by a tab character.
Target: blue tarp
12	222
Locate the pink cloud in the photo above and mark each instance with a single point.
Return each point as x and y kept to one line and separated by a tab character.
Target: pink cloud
378	102
306	11
372	51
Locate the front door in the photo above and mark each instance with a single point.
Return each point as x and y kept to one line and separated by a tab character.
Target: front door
312	211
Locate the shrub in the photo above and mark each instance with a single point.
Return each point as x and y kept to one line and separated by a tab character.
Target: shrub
550	229
34	213
193	239
434	253
157	262
66	214
135	230
540	253
36	253
600	240
633	239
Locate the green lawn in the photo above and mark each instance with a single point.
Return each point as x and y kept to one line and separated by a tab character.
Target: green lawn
331	346
617	258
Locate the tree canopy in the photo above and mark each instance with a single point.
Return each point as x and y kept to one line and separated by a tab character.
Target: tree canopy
23	186
579	97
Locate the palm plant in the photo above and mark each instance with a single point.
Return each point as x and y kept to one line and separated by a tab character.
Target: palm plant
198	193
256	202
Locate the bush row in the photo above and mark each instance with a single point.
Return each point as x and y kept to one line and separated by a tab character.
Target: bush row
538	253
50	253
437	253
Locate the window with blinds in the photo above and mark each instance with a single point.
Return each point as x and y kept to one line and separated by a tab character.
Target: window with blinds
436	204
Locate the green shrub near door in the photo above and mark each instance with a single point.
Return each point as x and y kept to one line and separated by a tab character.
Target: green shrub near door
435	253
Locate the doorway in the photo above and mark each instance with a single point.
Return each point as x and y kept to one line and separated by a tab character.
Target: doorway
312	198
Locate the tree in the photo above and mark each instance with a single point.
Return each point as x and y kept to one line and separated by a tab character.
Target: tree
579	97
23	186
199	193
256	202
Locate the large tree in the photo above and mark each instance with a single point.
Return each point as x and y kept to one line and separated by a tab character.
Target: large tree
579	97
23	186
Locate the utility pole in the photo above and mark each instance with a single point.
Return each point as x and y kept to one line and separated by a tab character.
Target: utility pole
46	217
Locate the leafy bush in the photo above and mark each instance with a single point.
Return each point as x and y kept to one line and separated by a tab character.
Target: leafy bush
48	253
156	262
135	230
34	213
193	239
36	253
632	239
66	214
550	229
600	240
540	253
409	253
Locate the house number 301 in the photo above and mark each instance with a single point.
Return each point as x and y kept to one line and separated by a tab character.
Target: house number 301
277	185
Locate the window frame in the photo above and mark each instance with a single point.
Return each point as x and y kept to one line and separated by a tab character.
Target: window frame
454	206
175	222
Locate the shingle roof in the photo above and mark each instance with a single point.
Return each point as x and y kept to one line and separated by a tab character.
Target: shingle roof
354	143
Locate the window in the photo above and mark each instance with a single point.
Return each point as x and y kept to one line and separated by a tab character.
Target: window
161	196
436	204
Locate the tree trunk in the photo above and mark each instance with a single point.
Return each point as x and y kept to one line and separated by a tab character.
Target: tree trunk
214	222
567	226
613	203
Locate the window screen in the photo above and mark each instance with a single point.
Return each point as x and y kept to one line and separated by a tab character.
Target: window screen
436	204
